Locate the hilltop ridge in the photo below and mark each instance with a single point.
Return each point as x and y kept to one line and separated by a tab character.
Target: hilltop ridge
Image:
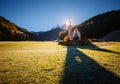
98	26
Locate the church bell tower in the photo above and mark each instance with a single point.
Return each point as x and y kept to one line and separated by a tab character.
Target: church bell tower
70	29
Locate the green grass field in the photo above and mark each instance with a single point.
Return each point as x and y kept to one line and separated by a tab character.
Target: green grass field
50	63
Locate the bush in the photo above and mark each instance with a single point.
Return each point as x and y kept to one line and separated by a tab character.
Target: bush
66	38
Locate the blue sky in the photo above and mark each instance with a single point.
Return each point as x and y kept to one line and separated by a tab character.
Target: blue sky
42	15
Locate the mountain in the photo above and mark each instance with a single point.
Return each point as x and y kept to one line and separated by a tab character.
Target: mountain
99	25
37	33
11	32
50	35
112	36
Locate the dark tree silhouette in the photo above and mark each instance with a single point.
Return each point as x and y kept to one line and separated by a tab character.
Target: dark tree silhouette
11	32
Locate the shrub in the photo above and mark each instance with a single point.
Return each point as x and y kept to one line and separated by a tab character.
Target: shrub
66	38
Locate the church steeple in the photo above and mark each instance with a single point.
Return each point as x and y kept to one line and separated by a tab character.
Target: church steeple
72	32
69	25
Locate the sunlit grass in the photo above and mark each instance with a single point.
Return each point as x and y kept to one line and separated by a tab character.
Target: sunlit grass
108	60
30	62
44	62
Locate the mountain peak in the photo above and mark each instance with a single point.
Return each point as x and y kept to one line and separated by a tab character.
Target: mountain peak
50	35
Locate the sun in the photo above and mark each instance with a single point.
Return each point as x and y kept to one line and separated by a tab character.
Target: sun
69	22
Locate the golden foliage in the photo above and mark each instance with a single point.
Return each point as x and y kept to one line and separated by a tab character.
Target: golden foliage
66	38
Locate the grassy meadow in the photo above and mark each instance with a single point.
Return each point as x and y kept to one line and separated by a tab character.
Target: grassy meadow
32	62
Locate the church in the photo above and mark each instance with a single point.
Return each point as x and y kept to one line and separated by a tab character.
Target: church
73	36
73	32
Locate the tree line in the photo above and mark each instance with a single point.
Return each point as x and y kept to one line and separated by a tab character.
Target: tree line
11	32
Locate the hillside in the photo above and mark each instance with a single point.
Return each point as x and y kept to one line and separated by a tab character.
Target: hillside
50	35
37	33
99	25
112	36
11	32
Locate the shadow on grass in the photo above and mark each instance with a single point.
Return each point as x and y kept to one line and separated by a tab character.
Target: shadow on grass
80	69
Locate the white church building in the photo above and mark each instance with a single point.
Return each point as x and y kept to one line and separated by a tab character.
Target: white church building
73	32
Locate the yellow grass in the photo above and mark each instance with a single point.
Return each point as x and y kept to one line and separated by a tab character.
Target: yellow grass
45	62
